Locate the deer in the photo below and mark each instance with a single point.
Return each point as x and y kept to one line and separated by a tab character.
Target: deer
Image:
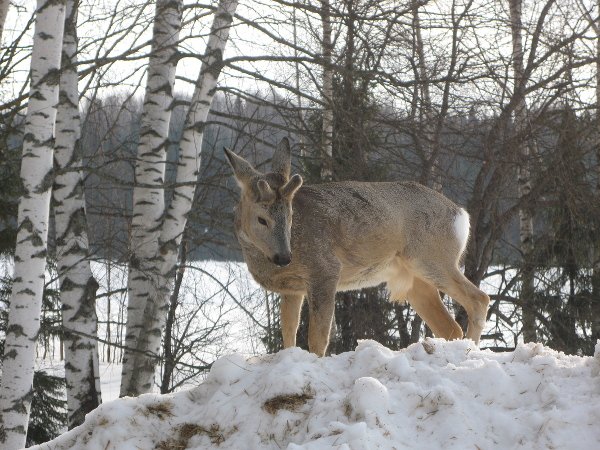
311	241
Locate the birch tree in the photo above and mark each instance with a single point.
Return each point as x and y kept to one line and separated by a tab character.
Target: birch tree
77	284
148	193
524	175
140	362
32	235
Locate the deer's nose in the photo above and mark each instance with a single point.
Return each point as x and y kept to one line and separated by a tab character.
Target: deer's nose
282	259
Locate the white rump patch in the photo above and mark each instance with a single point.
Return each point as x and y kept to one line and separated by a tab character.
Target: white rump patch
461	228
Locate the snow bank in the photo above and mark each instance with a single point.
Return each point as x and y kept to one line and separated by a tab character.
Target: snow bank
435	394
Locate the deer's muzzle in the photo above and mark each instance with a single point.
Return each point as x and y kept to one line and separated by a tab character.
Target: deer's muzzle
282	259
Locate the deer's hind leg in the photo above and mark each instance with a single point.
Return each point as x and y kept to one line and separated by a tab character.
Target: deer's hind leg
447	278
473	299
425	300
291	306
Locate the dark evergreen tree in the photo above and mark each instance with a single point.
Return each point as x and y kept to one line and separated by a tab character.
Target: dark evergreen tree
10	183
48	417
564	254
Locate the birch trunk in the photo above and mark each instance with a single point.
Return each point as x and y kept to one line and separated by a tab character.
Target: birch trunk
144	359
524	177
32	234
148	194
77	284
327	48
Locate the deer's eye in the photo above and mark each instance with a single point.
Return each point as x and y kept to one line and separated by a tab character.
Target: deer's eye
262	221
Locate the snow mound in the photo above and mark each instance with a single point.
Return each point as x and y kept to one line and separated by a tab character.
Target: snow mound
435	394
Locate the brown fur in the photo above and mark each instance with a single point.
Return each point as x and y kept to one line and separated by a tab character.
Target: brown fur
349	235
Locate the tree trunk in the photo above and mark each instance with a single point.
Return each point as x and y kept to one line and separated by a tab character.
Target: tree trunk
524	178
302	143
429	175
595	316
148	193
32	235
327	137
4	5
144	359
77	284
169	355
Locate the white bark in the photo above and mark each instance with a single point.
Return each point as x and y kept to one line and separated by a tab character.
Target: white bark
148	194
188	166
77	284
327	49
34	208
524	176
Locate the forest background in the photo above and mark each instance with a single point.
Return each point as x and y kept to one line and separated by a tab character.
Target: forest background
495	104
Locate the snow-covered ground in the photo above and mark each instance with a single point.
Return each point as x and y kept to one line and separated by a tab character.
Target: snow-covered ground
432	395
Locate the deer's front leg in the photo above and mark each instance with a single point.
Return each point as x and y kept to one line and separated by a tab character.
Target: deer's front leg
291	305
321	304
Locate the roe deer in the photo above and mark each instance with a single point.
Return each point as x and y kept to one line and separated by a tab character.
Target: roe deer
316	240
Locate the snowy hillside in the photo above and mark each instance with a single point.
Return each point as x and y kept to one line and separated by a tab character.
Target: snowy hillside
435	394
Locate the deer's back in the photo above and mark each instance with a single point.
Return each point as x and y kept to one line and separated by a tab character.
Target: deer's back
355	212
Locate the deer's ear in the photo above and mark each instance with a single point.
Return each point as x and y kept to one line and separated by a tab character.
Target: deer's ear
242	170
282	159
289	189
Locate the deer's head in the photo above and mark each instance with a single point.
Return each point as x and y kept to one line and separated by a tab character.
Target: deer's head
265	207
